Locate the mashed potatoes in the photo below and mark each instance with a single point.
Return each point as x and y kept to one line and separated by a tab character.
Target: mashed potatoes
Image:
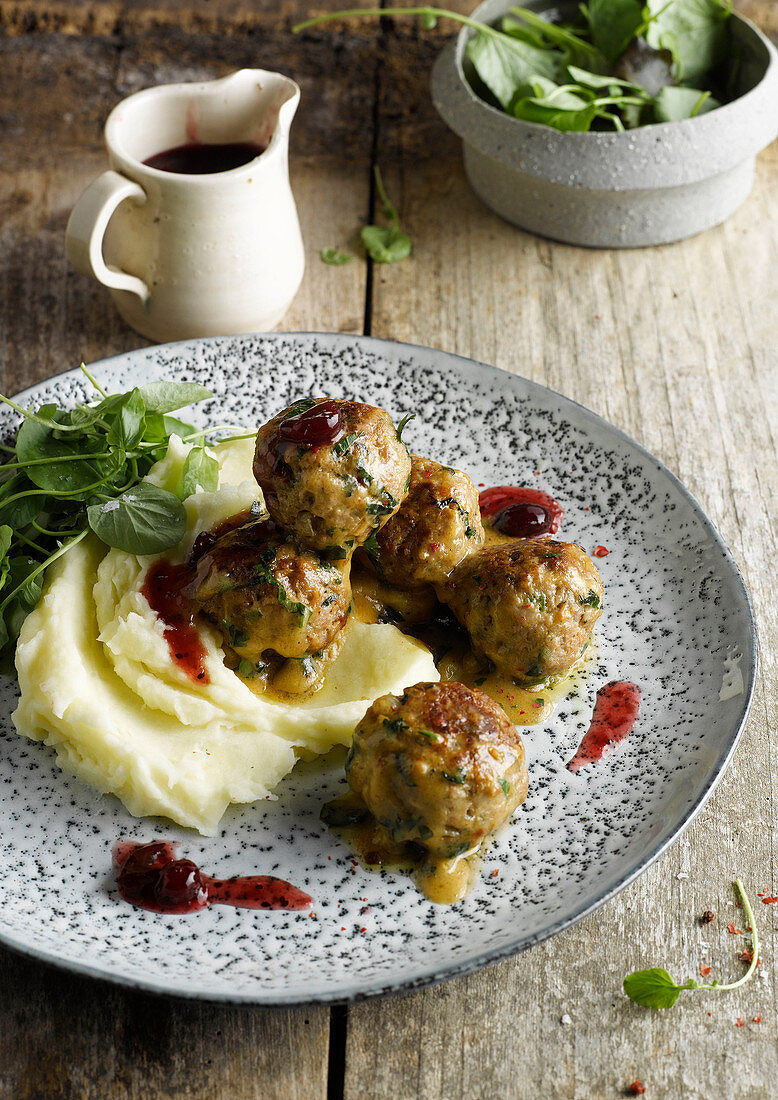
99	686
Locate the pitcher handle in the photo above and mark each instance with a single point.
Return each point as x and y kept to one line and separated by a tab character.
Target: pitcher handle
86	229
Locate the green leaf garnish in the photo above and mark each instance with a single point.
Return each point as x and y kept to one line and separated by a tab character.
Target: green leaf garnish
335	257
78	470
655	988
385	244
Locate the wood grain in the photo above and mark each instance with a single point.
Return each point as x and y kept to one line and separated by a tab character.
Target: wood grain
676	345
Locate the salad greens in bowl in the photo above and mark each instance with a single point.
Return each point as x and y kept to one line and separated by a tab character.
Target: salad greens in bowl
646	135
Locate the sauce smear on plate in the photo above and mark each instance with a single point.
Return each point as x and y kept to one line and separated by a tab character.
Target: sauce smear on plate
150	876
614	718
519	512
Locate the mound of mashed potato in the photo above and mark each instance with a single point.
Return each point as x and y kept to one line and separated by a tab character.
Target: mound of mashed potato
99	686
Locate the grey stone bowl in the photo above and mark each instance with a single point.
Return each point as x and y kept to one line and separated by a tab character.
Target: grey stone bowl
646	186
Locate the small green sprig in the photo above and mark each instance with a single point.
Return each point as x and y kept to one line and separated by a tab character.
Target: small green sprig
655	988
385	244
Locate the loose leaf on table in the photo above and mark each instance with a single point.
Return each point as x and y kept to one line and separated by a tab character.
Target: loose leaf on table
385	244
143	520
335	257
654	988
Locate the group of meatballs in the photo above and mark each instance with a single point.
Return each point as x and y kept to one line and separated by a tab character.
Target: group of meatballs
440	766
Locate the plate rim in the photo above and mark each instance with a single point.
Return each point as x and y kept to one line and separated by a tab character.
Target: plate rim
433	975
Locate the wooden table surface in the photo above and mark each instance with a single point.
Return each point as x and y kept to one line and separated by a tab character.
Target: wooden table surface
676	345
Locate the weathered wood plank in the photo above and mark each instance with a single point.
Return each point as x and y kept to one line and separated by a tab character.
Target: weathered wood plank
62	1036
677	346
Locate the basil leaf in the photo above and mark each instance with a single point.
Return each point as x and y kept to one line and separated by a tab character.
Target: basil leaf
385	245
198	469
164	397
335	257
142	520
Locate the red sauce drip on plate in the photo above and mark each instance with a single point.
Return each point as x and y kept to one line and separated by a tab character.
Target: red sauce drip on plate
163	589
614	718
519	512
150	876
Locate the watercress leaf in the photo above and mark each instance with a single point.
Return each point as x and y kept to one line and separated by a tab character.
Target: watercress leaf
505	64
142	520
673	104
652	988
386	245
128	421
164	397
199	469
36	441
556	106
335	257
6	537
553	36
613	24
694	31
597	82
19	513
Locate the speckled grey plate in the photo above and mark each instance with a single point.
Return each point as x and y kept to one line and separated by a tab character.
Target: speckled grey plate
677	622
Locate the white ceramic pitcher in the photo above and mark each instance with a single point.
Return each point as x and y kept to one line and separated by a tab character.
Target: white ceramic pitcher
195	255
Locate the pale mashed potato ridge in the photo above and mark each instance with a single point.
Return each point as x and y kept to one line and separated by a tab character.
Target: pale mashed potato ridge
98	683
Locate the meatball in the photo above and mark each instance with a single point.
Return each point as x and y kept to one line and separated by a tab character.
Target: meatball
332	472
437	526
266	594
441	766
529	605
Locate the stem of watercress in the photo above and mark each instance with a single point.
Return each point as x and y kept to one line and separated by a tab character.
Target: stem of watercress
655	988
425	12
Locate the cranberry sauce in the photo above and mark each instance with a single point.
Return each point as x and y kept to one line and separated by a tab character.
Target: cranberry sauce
521	513
614	718
316	426
150	876
163	589
198	159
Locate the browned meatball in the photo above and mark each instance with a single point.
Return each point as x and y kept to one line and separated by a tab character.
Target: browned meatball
437	526
332	472
529	605
440	766
267	595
